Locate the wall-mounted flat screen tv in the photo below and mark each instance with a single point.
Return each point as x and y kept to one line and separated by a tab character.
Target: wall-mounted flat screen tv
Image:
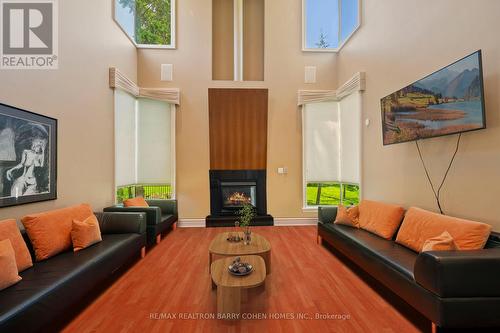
448	101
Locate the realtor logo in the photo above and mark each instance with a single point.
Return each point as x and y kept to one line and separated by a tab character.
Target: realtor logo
29	34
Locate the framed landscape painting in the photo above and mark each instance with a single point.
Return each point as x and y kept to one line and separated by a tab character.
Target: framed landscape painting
448	101
28	157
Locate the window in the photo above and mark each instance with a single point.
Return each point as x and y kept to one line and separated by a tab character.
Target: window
328	24
148	23
238	40
331	152
144	147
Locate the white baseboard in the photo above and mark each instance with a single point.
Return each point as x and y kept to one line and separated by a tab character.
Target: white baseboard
191	223
280	222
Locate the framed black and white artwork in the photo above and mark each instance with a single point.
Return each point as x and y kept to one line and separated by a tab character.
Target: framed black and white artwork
28	157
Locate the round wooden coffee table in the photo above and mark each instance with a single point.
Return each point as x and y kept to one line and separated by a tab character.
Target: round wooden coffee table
258	246
232	289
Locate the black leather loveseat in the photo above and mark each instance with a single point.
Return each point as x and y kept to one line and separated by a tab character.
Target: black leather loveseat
52	286
453	289
160	215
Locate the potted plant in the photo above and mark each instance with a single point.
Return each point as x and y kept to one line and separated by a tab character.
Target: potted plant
246	215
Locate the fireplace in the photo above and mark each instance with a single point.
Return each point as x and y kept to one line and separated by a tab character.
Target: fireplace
230	190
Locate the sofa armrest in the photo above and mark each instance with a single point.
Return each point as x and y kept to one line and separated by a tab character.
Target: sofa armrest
327	214
122	223
473	273
153	214
167	206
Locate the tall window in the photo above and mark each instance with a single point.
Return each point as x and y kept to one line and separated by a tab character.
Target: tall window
144	147
148	23
328	24
331	152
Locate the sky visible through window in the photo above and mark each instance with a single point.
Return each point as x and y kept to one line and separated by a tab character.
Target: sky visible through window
126	18
349	17
322	22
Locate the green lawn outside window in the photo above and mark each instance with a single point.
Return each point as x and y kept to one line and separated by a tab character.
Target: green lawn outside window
148	191
332	194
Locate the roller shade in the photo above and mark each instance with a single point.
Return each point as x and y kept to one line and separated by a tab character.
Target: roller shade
321	142
332	137
154	141
125	145
350	134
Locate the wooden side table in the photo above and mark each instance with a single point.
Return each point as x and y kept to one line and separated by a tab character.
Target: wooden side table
258	246
232	289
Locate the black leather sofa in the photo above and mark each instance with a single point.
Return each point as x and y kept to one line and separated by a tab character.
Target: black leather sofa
160	215
54	285
453	289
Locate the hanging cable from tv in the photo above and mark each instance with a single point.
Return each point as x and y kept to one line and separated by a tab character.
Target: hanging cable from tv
437	193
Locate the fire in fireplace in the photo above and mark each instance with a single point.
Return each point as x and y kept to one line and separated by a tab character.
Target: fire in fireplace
237	194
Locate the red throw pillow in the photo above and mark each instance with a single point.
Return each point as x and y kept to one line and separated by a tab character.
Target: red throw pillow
135	202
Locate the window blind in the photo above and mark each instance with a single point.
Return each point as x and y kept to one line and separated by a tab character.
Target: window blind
125	138
321	142
350	138
154	141
332	137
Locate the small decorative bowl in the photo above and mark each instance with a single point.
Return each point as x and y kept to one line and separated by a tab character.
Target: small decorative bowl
240	269
234	239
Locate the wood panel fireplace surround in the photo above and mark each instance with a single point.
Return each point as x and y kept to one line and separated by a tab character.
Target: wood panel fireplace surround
238	155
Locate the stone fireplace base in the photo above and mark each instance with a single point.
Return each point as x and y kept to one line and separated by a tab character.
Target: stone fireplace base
228	221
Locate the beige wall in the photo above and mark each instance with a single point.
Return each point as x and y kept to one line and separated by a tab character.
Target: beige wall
284	75
400	42
77	94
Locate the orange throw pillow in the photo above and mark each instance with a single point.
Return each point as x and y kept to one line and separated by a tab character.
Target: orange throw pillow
8	274
443	242
419	225
86	233
380	218
347	216
135	202
9	230
50	232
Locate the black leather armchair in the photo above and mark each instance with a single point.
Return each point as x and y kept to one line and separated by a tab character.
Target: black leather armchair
160	216
453	289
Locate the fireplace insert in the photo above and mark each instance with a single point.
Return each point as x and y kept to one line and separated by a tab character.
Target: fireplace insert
230	190
237	194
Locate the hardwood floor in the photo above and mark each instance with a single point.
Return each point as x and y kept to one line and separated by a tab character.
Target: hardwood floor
307	279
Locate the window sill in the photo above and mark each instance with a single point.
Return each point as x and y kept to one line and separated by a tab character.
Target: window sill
312	209
146	46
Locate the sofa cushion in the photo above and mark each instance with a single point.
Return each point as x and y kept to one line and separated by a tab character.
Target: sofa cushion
50	232
347	216
8	272
135	202
51	286
380	218
420	225
393	255
85	233
443	242
10	230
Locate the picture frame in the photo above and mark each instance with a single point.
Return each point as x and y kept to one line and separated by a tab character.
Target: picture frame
28	157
